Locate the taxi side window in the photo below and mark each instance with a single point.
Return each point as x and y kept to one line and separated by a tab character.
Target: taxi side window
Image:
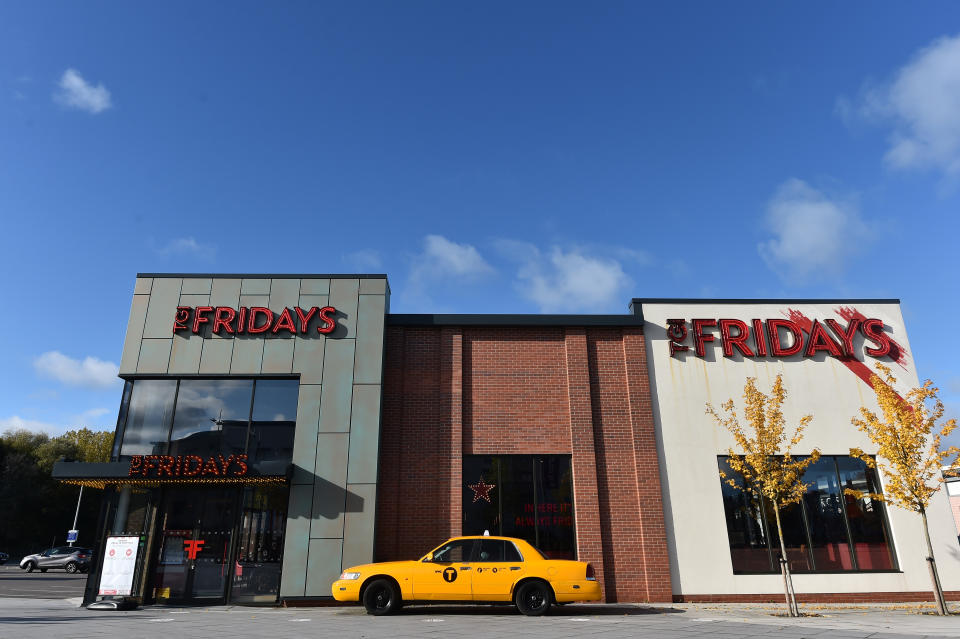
498	550
454	551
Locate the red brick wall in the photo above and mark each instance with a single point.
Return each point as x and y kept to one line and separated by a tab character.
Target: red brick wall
515	390
453	391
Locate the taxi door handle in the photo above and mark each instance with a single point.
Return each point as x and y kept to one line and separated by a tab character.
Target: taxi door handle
514	567
464	567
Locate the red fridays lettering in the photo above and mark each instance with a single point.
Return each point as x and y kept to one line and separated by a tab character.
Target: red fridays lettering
781	337
253	320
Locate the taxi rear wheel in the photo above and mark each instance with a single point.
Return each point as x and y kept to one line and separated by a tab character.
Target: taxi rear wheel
381	598
533	598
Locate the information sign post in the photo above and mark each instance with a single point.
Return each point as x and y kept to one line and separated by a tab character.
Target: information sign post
119	562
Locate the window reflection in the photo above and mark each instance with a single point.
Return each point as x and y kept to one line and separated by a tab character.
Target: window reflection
212	417
868	526
274	420
148	418
823	501
828	531
749	544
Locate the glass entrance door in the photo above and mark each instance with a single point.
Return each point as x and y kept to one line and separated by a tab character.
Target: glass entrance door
259	554
195	528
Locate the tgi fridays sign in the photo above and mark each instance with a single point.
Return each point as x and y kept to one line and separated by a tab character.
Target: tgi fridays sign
254	320
175	466
794	334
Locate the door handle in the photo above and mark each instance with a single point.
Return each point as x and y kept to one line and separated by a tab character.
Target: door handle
464	567
514	567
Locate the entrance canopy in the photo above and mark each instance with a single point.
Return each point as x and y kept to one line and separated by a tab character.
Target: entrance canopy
127	473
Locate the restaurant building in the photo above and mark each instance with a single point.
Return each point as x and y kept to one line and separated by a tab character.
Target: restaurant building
275	429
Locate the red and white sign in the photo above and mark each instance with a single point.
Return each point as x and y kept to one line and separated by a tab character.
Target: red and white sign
795	334
119	562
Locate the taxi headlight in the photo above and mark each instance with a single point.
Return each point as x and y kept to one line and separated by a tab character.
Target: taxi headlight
349	575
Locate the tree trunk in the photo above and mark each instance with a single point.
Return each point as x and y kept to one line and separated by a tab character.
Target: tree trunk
785	568
932	565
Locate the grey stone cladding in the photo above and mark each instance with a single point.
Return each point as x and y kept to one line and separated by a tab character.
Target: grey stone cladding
333	492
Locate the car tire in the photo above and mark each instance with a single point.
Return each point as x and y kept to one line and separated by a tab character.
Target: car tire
71	567
30	567
533	598
381	597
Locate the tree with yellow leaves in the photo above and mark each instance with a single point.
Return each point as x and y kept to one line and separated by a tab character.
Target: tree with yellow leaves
770	471
909	451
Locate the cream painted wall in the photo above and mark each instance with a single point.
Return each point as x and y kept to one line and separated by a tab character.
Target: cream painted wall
690	441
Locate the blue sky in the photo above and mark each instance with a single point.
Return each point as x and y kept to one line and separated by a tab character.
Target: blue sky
489	157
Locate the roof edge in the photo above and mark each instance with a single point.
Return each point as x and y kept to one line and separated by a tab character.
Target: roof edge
274	276
427	319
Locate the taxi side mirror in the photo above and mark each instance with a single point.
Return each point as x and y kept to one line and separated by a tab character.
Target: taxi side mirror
428	557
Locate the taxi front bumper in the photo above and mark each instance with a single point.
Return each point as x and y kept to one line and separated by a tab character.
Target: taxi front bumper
346	589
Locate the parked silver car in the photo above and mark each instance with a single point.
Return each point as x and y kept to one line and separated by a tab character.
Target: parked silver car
72	559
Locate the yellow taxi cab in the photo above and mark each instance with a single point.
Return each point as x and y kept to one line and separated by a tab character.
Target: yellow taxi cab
471	569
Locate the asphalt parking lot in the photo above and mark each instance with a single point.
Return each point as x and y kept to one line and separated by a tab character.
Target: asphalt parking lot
53	584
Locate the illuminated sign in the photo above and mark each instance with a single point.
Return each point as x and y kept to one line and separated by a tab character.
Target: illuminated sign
187	466
254	320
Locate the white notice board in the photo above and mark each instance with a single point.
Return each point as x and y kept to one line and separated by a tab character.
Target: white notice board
119	561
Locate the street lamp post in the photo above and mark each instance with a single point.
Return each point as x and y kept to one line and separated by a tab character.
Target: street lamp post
76	513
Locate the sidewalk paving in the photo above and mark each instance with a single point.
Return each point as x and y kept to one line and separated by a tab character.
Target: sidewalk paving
29	618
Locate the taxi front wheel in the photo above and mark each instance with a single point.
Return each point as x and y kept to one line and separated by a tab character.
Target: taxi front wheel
533	598
381	598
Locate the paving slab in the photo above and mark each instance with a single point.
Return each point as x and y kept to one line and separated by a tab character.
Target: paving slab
27	618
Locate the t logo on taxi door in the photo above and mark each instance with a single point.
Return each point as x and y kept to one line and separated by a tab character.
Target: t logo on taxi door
450	575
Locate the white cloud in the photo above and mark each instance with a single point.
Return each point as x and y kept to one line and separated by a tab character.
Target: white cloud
89	373
87	419
187	245
15	422
813	234
77	93
443	259
922	104
567	281
446	257
364	260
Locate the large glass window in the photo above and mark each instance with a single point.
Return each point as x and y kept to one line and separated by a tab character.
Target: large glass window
212	416
828	531
525	496
274	420
209	416
148	417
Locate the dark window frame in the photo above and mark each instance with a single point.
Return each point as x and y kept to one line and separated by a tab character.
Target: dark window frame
773	551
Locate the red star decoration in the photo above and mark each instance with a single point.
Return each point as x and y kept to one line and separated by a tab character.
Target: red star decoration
481	490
